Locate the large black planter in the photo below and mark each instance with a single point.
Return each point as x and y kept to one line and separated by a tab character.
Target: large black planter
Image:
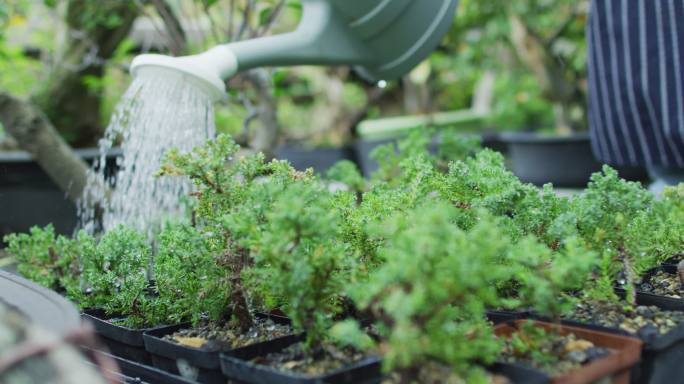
40	305
564	161
320	159
29	197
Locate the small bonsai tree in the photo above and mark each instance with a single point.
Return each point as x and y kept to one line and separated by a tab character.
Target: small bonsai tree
548	281
300	258
430	295
115	273
234	199
188	281
605	216
110	274
47	259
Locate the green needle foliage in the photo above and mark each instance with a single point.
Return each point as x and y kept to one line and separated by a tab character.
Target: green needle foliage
49	260
549	282
423	248
301	259
188	282
115	272
612	217
431	293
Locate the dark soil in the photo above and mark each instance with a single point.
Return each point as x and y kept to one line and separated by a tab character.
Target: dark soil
317	361
643	319
663	284
555	355
212	338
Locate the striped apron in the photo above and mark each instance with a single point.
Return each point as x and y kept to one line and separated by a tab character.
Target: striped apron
636	82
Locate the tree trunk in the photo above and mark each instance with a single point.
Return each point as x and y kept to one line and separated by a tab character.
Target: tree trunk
95	30
34	133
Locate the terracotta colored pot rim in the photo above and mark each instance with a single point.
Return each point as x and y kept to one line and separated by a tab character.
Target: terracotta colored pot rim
624	352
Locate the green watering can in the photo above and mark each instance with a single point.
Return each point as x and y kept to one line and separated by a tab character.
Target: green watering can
382	39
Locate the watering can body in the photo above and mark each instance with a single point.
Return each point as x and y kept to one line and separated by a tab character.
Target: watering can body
381	39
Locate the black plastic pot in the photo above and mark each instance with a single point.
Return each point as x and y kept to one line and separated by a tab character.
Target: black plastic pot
664	302
29	197
363	150
121	341
201	364
236	364
498	317
320	159
661	355
564	161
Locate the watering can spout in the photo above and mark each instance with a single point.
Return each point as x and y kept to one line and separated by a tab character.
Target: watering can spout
383	39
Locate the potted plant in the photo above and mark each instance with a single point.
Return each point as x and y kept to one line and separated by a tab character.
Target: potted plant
107	278
428	299
300	260
565	353
633	233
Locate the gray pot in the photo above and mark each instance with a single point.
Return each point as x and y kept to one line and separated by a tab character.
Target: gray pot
320	159
564	161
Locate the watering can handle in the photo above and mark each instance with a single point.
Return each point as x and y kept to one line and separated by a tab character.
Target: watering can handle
321	38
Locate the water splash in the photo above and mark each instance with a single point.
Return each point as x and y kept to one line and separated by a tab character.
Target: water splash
156	113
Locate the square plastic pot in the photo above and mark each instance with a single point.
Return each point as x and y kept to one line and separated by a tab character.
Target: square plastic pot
662	355
199	364
121	341
237	365
625	353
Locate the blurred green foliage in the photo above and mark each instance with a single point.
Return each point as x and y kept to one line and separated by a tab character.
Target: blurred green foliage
478	43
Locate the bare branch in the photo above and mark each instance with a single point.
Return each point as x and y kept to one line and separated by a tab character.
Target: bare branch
563	27
177	39
271	19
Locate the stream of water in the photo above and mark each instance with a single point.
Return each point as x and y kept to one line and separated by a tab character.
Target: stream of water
155	114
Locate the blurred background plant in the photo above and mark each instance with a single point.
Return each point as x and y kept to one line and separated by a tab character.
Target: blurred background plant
521	62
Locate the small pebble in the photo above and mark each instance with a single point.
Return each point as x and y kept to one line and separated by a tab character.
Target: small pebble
577	356
594	353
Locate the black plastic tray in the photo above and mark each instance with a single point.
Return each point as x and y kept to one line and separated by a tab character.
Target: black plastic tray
236	364
133	372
